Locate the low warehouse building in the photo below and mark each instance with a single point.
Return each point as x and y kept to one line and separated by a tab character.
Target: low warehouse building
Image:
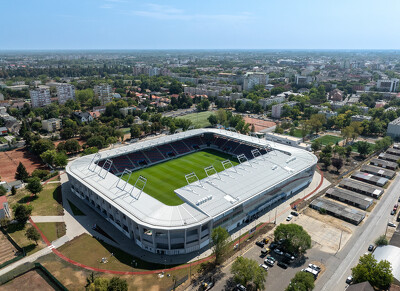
369	178
389	157
338	210
393	151
396	146
349	197
384	164
361	187
389	174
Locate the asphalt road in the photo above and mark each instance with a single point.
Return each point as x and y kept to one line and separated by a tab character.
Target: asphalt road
339	266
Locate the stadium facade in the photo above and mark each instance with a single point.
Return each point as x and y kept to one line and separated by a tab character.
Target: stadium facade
267	173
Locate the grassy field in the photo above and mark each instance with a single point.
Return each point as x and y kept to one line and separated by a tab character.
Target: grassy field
17	232
296	133
199	120
354	147
47	202
327	139
52	230
164	178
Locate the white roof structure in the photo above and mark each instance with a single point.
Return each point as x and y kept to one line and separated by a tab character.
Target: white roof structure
391	254
204	199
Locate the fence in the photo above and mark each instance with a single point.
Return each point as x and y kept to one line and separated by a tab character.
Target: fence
177	283
21	251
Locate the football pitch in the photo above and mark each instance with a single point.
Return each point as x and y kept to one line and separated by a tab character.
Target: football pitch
164	178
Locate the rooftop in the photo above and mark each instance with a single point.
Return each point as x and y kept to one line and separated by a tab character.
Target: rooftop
228	188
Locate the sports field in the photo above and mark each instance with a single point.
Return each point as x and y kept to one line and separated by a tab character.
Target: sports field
327	139
199	119
164	178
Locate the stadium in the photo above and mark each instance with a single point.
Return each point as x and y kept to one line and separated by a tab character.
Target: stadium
168	193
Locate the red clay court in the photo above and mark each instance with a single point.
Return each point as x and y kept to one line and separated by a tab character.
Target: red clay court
9	162
259	124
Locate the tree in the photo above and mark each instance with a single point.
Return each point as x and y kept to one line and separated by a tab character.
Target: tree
136	131
363	148
172	127
117	284
60	160
175	87
220	239
295	238
316	145
302	281
13	191
72	146
42	145
247	271
22	212
3	191
34	185
317	121
378	274
49	156
212	119
21	173
32	234
382	240
337	163
41	174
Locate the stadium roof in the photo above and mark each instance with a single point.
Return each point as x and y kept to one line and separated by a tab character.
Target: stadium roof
228	188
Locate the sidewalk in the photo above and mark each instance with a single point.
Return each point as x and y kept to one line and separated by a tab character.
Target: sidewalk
47	219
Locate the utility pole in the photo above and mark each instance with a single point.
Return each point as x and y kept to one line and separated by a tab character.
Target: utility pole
276	210
386	227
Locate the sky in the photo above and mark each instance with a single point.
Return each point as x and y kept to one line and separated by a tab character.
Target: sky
199	24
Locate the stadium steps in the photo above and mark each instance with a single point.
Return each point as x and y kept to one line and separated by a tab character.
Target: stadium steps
190	149
160	152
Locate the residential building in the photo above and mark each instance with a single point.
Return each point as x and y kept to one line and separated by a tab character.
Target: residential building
252	79
287	140
3	131
103	92
336	95
361	118
388	85
40	97
4	209
393	128
83	116
303	80
65	92
274	99
278	109
8	185
328	114
269	87
51	124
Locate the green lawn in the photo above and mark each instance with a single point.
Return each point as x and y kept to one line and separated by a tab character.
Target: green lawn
296	133
164	178
199	119
47	202
327	139
52	230
354	147
17	232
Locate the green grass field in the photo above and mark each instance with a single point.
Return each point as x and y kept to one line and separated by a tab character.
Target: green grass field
199	119
296	133
327	139
164	178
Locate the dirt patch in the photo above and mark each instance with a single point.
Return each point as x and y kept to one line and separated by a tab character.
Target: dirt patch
328	219
259	124
33	280
7	250
9	162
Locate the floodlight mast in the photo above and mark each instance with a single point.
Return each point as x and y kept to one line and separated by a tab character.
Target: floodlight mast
126	171
211	171
96	156
107	166
242	159
140	179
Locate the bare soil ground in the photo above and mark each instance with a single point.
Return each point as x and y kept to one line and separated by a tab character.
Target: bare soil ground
33	280
7	250
9	162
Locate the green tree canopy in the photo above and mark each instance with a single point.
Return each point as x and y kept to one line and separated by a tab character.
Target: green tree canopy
382	240
32	234
295	238
34	185
22	212
247	271
220	239
378	274
21	173
42	145
302	281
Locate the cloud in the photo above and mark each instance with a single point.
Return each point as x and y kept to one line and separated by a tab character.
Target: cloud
106	6
164	12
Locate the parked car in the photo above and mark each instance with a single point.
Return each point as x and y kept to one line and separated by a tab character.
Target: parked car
269	262
282	265
289	218
265	267
265	251
286	260
240	287
349	280
273	245
278	251
311	271
395	206
265	240
294	213
391	224
398	200
271	258
393	212
314	267
289	256
371	248
260	243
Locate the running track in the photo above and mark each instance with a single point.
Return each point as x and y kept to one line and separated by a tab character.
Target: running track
60	255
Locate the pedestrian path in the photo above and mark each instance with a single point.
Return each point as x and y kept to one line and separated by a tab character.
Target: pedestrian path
48	218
